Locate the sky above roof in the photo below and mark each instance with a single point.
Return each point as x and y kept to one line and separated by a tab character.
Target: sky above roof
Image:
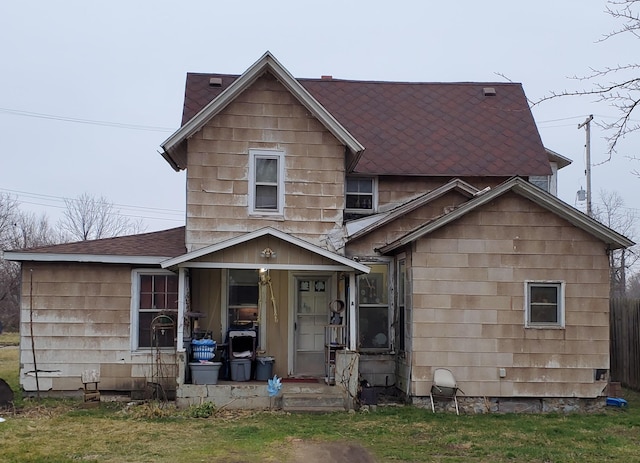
90	91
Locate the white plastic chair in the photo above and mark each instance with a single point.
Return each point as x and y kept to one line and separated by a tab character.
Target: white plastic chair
444	387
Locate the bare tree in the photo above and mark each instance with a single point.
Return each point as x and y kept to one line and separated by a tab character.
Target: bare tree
90	218
617	85
18	230
612	212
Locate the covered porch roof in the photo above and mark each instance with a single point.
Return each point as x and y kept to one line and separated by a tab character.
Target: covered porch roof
266	248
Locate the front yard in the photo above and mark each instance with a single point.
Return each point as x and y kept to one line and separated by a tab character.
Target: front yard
63	431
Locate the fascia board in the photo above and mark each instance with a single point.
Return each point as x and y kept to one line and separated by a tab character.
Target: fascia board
82	258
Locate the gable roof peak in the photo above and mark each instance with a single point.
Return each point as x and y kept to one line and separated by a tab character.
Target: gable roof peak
174	147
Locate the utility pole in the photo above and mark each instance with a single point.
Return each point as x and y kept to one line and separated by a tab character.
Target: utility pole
587	126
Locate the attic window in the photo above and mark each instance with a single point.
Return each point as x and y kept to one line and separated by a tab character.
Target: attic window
489	91
215	82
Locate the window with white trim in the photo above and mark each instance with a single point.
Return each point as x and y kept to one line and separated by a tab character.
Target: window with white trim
154	294
544	304
266	178
374	320
360	194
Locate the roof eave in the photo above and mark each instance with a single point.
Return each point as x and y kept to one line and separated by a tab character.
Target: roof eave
559	159
19	256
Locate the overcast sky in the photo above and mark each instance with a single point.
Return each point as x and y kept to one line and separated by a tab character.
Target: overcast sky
90	90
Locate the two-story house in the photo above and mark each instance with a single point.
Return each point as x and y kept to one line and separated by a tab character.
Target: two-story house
360	230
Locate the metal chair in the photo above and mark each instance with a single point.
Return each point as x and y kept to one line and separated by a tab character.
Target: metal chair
444	387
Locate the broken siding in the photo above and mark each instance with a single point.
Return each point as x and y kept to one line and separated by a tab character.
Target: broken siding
468	304
81	320
266	116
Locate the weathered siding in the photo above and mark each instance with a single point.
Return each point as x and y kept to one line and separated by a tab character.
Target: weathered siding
249	253
81	320
394	191
468	304
366	245
265	116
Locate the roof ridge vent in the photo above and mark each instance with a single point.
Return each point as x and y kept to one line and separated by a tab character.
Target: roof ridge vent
326	77
489	91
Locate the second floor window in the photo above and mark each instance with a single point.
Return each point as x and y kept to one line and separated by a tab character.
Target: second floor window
360	194
266	175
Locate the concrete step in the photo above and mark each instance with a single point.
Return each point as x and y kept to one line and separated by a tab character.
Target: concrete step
312	402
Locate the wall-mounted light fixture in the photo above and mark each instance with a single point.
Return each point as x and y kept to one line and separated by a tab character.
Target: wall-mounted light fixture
268	253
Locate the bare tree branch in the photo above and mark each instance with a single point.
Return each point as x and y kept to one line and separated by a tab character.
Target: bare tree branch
89	218
623	94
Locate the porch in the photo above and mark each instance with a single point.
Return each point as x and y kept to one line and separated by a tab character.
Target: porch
293	397
310	394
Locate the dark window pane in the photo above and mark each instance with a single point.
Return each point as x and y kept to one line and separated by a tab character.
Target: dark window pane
359	185
544	313
374	327
266	197
359	202
159	283
146	283
172	284
544	294
146	301
266	170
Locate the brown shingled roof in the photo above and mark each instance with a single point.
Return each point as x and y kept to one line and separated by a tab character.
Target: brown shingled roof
435	129
165	243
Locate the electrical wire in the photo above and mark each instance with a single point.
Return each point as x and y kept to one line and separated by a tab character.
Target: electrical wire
77	120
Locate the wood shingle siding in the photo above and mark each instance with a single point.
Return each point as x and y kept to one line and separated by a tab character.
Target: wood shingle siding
468	304
265	116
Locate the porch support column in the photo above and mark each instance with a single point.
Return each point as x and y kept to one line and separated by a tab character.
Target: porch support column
353	332
182	281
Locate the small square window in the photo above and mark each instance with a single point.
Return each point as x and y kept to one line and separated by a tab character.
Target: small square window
360	194
544	304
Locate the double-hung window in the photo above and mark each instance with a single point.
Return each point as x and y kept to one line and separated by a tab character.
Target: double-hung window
544	304
360	195
374	327
266	178
154	304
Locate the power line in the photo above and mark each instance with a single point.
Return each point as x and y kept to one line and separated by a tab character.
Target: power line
61	204
118	125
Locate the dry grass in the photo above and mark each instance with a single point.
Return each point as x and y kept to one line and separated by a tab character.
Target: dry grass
63	431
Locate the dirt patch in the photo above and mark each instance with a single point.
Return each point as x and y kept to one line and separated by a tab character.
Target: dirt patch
329	452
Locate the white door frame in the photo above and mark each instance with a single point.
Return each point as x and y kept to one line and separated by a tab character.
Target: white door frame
294	277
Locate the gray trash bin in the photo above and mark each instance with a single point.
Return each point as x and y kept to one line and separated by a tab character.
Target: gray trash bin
264	368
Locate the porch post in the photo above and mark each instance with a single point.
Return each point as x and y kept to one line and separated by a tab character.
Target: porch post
181	304
353	332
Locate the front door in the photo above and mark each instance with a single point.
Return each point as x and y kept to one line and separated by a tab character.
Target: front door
312	315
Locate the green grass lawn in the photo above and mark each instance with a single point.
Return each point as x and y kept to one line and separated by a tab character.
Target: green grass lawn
62	431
